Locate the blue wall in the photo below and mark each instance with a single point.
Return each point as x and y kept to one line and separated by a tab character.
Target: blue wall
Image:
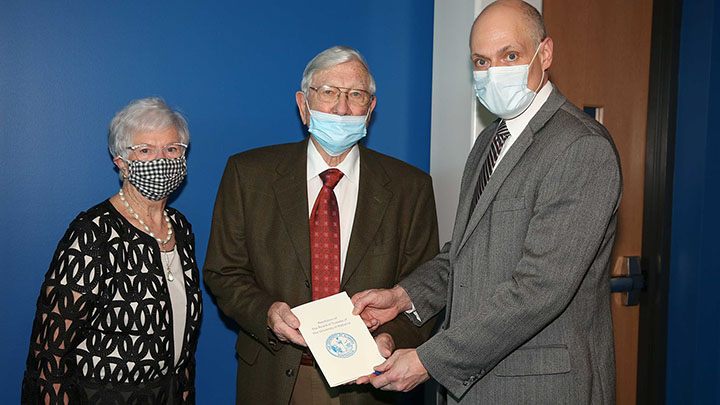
231	67
693	366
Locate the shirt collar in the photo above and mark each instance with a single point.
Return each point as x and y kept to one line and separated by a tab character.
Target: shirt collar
517	125
349	166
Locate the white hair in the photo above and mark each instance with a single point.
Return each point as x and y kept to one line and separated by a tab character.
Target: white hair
143	115
332	57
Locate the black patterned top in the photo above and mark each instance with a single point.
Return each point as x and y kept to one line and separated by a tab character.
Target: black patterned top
103	331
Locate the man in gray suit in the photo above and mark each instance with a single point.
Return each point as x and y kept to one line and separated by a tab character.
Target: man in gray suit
525	279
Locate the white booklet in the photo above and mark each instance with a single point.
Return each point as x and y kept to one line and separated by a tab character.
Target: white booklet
339	341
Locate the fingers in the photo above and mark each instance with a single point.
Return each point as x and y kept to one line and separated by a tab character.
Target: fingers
385	366
384	351
297	338
369	320
289	318
284	324
385	344
374	378
377	379
371	323
363	379
361	300
403	371
286	333
283	331
380	381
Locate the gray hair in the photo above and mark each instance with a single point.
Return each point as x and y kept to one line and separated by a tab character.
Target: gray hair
332	57
143	115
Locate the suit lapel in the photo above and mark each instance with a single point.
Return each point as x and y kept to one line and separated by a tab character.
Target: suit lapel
506	165
373	199
498	176
468	182
291	194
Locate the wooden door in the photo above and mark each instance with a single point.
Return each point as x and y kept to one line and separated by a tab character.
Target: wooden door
602	59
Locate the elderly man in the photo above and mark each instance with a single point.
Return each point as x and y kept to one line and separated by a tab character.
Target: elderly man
298	222
525	278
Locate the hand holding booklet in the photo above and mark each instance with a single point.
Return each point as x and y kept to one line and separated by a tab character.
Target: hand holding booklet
339	341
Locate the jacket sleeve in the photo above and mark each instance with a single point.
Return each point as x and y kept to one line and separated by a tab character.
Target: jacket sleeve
187	382
67	299
421	245
228	271
427	286
576	204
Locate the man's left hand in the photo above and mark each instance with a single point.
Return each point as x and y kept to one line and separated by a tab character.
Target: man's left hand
385	344
403	371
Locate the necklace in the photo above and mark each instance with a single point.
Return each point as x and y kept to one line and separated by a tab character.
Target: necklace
147	229
171	254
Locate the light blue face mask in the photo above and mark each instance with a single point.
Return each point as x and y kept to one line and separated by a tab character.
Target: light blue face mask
337	133
503	89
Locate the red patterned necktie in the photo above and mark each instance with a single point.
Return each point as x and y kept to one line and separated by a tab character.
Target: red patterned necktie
495	148
325	238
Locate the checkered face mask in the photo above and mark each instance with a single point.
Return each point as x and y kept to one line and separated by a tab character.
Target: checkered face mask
156	179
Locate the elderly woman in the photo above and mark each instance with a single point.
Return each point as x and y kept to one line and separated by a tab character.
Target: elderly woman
118	316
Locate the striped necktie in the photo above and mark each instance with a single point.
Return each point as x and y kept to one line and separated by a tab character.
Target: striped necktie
497	143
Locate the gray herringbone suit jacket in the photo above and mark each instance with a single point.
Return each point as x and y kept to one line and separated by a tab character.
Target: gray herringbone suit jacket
525	278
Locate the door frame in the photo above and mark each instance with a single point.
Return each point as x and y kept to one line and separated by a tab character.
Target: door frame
657	207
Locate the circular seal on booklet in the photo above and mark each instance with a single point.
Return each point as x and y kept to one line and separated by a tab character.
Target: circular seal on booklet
341	345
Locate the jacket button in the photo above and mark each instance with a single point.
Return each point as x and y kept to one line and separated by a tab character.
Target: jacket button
289	372
307	284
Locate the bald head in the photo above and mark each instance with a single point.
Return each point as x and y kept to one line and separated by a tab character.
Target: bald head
511	33
531	20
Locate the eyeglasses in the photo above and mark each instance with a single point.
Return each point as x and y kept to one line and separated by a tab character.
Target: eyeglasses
149	152
331	94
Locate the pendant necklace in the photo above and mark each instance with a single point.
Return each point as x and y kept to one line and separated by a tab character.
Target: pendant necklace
164	242
168	266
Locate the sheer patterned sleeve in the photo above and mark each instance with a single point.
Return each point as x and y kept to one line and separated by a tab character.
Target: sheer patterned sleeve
68	298
187	383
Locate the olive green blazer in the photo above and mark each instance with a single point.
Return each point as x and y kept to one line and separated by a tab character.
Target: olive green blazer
259	253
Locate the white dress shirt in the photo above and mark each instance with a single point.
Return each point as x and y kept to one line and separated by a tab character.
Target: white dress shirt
517	125
346	191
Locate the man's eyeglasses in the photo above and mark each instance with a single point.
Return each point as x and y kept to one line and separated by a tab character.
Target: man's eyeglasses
149	152
331	94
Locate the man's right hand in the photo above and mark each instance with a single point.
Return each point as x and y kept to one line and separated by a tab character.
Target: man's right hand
284	324
377	307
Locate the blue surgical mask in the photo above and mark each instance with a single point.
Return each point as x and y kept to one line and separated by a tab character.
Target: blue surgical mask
337	133
503	89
